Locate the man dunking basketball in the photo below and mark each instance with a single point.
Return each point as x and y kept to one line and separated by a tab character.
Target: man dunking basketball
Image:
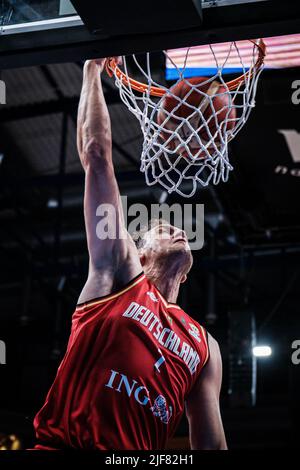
135	360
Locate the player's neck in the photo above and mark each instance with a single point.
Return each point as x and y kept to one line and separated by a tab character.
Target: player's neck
167	282
169	287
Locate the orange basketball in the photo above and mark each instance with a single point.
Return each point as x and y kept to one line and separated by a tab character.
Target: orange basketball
214	112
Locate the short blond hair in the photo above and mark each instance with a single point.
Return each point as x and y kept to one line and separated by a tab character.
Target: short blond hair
138	236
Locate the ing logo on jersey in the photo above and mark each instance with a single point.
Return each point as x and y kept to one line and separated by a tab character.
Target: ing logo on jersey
121	383
194	331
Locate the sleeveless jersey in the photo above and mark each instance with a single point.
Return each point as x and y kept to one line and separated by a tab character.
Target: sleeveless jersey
131	361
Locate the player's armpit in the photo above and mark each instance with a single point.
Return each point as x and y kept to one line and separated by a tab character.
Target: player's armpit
202	405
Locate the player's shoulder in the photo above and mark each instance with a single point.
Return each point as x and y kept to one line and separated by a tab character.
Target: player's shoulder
195	328
191	319
212	341
214	352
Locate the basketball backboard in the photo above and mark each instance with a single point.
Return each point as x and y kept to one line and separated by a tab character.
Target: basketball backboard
36	32
18	16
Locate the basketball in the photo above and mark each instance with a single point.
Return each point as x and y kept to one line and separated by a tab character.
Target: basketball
177	113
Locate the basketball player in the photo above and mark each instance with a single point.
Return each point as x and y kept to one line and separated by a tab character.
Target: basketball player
135	360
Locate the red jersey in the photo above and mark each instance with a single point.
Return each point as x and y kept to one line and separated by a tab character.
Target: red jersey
131	360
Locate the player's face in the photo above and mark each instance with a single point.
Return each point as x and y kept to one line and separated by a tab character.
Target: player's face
165	240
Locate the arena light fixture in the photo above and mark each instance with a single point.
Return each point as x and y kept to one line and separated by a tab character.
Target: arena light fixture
262	351
52	203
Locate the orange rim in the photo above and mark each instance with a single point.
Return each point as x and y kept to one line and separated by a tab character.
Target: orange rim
113	69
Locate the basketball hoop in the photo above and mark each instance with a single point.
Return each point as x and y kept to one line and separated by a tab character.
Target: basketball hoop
186	135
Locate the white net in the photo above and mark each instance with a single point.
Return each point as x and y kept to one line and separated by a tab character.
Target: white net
187	128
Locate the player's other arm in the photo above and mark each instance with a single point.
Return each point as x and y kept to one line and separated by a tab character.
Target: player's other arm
113	261
203	408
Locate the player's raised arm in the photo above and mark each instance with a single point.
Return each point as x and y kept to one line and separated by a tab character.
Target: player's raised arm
113	260
202	406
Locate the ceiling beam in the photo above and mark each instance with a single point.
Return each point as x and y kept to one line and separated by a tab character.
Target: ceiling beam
220	24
